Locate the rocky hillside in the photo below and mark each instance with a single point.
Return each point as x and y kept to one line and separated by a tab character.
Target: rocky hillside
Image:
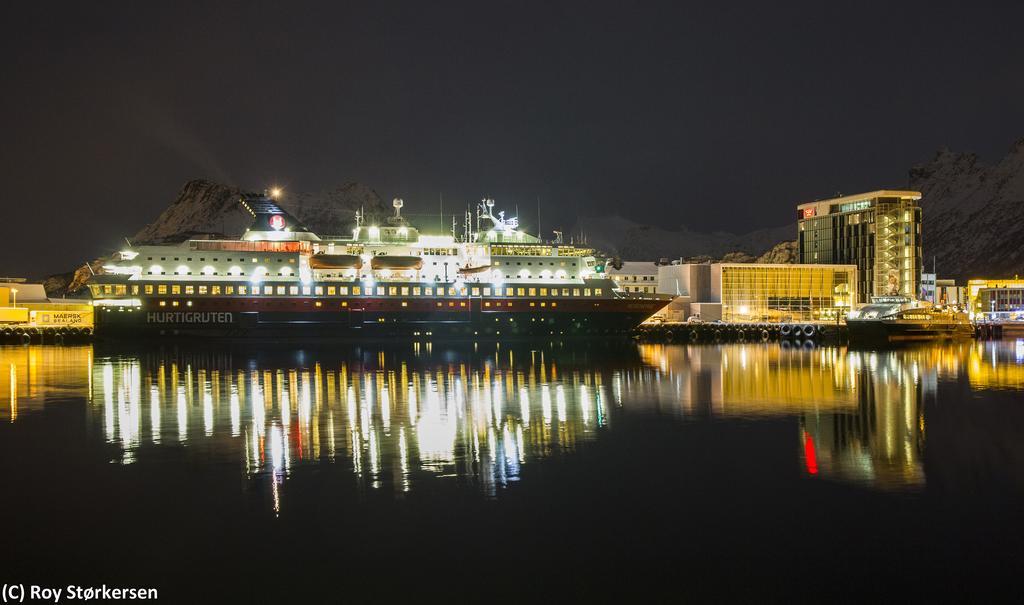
973	213
632	241
206	207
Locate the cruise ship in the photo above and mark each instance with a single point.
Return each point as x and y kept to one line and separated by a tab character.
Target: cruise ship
280	280
900	319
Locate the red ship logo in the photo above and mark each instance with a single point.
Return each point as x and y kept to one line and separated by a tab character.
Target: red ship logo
277	222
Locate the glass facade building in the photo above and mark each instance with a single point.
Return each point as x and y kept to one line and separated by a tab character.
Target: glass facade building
784	293
879	232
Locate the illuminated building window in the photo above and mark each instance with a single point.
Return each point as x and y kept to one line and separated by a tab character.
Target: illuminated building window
344	303
475	292
318	303
163	303
293	290
188	290
575	291
135	290
229	290
202	289
428	291
148	289
280	290
331	290
243	289
380	291
416	291
520	291
487	291
543	291
392	291
267	290
175	289
214	290
319	291
405	304
356	290
306	290
533	291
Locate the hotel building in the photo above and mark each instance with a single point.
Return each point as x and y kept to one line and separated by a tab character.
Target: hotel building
879	232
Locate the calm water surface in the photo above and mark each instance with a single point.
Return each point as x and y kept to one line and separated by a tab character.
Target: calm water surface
499	472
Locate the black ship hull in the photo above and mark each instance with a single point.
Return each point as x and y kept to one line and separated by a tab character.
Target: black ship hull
302	320
874	332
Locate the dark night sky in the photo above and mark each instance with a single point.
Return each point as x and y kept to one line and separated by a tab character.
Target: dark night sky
717	116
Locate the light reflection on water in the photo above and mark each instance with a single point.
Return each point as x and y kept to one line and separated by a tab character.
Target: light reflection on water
398	417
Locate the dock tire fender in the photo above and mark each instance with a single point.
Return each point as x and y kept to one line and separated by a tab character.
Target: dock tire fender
809	330
785	330
765	336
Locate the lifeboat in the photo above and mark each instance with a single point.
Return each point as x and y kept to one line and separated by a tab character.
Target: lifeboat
396	263
472	270
335	261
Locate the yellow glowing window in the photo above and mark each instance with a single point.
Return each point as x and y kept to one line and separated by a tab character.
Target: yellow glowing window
520	291
280	290
318	303
392	291
108	289
344	303
508	304
380	290
405	304
319	290
331	290
462	292
214	290
451	303
565	291
475	292
543	304
202	289
343	290
533	291
428	291
451	291
462	304
163	303
355	291
293	290
266	290
243	289
508	291
229	289
149	289
533	304
487	304
586	291
174	303
543	291
188	290
554	291
175	289
405	291
554	304
487	291
417	291
439	303
575	291
120	289
305	290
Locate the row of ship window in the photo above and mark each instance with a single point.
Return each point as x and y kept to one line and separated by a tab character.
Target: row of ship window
404	303
271	290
